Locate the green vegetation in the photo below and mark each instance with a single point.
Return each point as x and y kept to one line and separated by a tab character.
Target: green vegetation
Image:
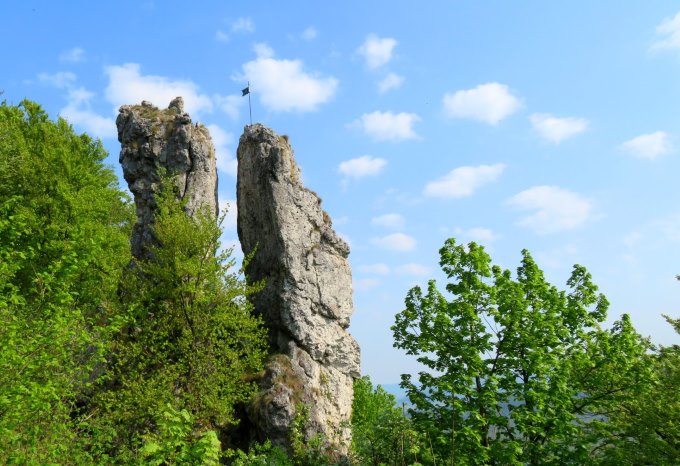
382	433
64	242
185	339
519	372
105	360
102	361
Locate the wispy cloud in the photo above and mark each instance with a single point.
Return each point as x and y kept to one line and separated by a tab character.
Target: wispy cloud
390	82
377	269
649	146
377	51
243	25
417	270
463	181
309	34
221	36
391	221
555	129
554	209
477	234
362	166
388	126
489	103
284	85
395	242
668	34
60	80
73	55
365	284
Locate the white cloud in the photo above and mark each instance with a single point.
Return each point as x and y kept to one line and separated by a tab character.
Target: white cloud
78	109
391	221
377	51
362	166
391	81
395	242
556	129
489	103
221	36
377	269
463	181
555	209
61	80
221	139
284	85
417	270
243	25
263	50
669	34
79	113
477	234
365	284
649	146
128	86
230	104
229	206
73	55
388	126
309	34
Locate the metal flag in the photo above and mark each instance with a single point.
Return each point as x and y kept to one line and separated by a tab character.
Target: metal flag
245	91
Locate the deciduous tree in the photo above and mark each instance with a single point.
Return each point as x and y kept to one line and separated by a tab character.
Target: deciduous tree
516	369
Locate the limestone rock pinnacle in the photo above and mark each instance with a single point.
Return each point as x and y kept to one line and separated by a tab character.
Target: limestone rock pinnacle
307	300
155	140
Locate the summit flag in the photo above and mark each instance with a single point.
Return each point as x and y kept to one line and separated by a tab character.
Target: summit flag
245	91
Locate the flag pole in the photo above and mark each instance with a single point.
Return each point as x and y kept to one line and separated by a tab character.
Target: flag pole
250	107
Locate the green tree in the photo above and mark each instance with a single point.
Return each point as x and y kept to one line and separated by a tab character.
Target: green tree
64	240
645	428
187	337
516	369
381	433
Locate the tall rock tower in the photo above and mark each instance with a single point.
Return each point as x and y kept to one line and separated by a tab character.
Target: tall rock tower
307	300
154	141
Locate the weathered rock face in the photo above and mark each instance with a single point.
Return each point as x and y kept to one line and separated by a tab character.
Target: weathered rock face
307	301
154	140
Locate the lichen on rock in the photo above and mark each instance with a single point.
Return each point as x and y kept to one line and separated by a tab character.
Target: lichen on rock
307	300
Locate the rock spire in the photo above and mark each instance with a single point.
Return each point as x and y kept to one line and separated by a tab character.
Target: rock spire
164	140
307	300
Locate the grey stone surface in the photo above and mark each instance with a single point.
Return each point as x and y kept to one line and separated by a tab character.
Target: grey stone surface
153	140
307	301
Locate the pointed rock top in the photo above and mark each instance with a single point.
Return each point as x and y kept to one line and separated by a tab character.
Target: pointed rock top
177	104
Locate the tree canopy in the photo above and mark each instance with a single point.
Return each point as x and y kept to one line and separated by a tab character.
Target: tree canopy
516	371
64	243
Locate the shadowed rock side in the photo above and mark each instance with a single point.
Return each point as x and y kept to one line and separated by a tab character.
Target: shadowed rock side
307	301
153	140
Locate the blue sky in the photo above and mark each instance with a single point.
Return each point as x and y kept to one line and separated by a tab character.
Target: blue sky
524	124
